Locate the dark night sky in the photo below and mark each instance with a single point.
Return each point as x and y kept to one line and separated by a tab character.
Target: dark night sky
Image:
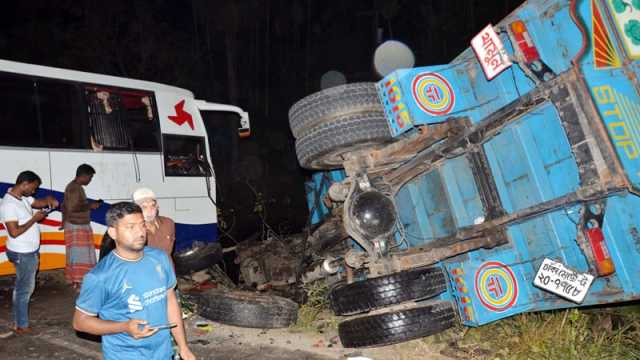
258	54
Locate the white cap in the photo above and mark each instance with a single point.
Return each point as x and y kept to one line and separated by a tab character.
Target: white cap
143	194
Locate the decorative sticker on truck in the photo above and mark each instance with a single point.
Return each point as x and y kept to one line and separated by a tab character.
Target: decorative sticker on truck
460	286
616	108
433	93
604	52
496	286
626	15
399	111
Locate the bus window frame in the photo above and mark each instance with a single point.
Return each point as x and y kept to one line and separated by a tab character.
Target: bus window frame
81	107
204	151
123	90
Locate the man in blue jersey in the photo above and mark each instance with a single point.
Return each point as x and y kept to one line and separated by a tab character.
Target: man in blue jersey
129	295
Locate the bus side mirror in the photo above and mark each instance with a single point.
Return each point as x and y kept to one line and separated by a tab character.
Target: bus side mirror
245	127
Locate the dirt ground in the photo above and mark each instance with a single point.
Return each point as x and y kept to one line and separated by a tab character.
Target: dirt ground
52	308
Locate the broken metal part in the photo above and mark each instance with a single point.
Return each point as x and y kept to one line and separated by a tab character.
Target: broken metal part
356	259
339	191
271	262
382	160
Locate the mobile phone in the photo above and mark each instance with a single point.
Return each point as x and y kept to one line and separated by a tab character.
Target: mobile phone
163	326
159	326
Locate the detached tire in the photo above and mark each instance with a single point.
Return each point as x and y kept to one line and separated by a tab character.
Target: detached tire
246	309
370	294
398	326
332	103
198	257
325	145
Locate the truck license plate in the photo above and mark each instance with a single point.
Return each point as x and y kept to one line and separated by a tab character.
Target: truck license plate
554	277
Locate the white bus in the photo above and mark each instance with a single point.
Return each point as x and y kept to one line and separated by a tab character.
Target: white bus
134	133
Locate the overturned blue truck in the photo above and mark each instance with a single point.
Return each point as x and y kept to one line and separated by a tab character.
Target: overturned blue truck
506	181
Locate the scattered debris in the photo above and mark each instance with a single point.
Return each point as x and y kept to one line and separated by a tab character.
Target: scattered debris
199	342
203	327
200	276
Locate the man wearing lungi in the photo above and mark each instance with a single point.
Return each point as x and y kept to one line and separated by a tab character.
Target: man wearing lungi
78	235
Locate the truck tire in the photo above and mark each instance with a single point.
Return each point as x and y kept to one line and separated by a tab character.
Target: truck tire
332	103
324	147
370	294
246	309
398	326
198	257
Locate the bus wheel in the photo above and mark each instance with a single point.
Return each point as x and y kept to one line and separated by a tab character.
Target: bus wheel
326	145
198	257
332	103
370	294
246	309
397	326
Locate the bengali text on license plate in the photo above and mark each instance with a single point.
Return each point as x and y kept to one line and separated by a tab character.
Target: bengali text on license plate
554	277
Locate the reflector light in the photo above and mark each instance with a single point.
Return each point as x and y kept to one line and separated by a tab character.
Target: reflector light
604	263
524	41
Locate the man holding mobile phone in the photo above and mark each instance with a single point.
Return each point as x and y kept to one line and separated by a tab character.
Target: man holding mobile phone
23	240
129	292
78	235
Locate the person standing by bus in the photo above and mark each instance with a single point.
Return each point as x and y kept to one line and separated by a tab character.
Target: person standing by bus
23	240
78	235
161	230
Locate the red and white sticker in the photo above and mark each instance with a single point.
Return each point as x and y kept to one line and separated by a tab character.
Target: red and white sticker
181	116
433	93
490	52
496	286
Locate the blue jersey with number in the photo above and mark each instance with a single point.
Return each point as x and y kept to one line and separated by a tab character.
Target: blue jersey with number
118	289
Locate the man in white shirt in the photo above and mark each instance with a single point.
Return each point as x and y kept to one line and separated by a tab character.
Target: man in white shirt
23	243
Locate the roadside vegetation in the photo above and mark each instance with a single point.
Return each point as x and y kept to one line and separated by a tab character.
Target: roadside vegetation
315	315
588	333
597	333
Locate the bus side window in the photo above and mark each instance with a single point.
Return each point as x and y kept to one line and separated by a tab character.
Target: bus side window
122	119
108	128
184	156
141	121
63	123
18	116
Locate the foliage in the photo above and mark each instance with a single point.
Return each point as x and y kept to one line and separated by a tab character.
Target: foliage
315	315
612	333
